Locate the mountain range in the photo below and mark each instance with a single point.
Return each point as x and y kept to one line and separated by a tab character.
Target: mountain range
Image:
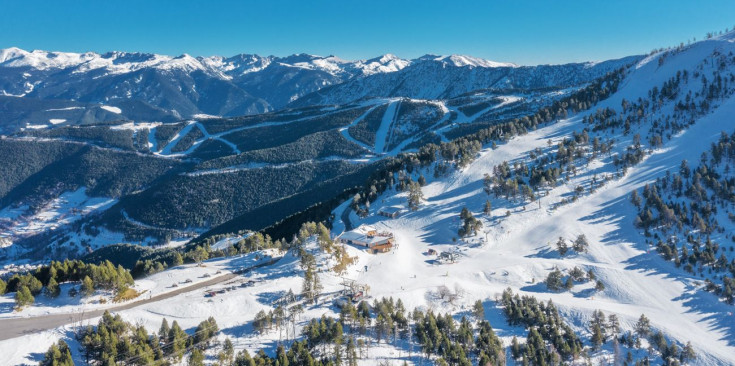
38	86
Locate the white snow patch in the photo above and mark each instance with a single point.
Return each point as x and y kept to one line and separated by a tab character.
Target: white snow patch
111	109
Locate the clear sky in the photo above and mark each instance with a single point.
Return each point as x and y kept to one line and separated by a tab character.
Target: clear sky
524	32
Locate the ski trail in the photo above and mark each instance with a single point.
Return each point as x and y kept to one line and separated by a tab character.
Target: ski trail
207	135
463	118
385	126
175	140
447	114
346	134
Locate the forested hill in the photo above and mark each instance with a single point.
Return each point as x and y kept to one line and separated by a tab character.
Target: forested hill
70	189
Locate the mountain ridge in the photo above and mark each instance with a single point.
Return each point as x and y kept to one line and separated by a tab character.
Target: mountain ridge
178	87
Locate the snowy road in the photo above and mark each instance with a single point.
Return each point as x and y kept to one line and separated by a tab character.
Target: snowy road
16	327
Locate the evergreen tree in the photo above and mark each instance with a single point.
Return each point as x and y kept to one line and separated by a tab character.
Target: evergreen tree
52	288
351	352
613	324
229	351
196	358
422	180
243	359
23	297
580	244
178	259
688	354
415	195
478	311
598	337
561	246
58	354
643	326
488	209
554	280
599	286
87	286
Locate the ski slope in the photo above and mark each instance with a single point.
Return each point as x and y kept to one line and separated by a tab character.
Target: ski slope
515	248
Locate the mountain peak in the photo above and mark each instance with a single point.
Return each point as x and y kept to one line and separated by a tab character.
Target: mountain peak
463	60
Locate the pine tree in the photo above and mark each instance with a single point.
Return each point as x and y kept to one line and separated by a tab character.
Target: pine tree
580	244
635	199
478	310
196	358
561	246
414	196
87	286
688	354
164	330
488	209
177	337
52	288
554	280
643	326
178	259
244	359
599	286
515	348
613	324
23	297
598	338
58	354
351	352
422	180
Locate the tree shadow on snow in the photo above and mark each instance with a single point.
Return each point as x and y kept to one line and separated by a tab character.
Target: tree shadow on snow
269	298
545	252
586	293
239	330
538	287
621	212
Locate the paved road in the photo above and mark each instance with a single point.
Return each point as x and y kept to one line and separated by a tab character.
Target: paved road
16	327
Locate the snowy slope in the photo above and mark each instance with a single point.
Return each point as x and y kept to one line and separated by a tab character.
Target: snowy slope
517	251
515	247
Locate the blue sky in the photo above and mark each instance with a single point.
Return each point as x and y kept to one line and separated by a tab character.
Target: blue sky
524	32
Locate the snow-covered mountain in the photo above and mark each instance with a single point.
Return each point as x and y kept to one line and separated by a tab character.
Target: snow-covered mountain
181	86
151	87
442	77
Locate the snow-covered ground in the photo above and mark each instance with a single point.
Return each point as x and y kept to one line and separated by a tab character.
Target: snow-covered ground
17	222
515	248
174	278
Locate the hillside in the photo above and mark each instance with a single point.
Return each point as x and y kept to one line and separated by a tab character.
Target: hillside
516	245
579	226
169	182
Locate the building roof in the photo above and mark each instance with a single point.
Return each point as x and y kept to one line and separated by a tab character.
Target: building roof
364	229
360	235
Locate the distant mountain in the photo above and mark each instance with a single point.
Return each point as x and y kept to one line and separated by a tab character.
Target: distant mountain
151	87
444	77
180	87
